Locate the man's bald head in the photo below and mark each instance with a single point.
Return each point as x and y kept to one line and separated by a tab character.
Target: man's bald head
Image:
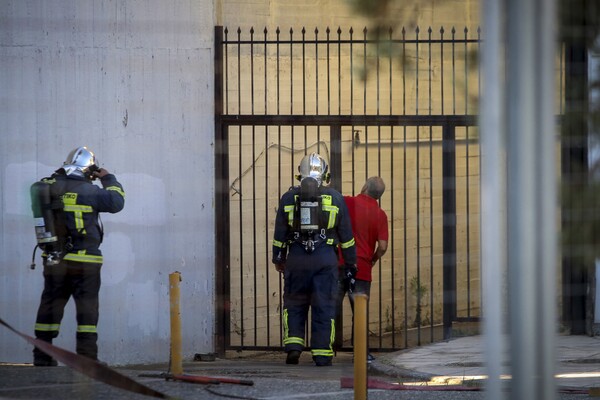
374	187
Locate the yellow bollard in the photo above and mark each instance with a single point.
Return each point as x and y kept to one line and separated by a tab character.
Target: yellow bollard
176	365
360	346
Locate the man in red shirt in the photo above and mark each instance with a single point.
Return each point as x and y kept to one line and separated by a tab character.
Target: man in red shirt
370	229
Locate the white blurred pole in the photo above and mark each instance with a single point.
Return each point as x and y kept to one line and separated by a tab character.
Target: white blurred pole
493	194
531	197
546	170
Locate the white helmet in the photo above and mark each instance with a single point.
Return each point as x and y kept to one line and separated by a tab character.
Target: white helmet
80	161
314	166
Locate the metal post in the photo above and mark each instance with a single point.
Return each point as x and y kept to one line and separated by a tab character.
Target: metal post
222	334
531	197
449	227
547	198
493	196
335	167
335	158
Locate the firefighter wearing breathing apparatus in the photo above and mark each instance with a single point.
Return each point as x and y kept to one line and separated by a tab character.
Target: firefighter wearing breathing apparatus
68	230
312	220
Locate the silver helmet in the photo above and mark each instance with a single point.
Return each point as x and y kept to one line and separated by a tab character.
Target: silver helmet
80	161
314	166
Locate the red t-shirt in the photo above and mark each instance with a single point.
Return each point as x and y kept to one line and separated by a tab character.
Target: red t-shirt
369	224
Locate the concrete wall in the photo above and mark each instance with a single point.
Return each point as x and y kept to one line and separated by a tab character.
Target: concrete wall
313	14
133	80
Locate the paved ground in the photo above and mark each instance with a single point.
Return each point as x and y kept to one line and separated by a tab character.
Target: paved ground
462	359
437	367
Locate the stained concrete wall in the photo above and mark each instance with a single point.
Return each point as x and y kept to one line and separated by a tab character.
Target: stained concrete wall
320	14
133	80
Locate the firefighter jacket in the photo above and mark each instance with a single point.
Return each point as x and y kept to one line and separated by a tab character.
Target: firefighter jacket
82	201
338	229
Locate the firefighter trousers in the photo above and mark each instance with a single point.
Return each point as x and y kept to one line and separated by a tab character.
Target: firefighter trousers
61	281
310	283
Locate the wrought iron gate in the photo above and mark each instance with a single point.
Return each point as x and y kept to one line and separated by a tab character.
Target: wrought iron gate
363	105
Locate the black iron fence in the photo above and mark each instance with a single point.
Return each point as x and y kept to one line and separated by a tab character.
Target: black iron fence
402	107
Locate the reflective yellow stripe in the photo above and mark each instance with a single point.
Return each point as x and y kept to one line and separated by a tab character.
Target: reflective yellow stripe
47	327
285	324
277	243
289	209
347	244
330	242
82	257
78	208
333	212
116	189
321	352
87	328
286	332
326	352
332	336
70	205
327	205
293	340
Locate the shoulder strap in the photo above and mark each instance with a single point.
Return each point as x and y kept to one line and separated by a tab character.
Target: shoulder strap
57	189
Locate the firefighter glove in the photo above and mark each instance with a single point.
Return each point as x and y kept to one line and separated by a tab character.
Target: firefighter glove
280	267
350	271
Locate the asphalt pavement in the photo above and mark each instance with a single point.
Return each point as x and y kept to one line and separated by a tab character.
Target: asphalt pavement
453	369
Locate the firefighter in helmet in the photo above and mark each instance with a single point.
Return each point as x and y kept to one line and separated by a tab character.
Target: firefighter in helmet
69	232
312	220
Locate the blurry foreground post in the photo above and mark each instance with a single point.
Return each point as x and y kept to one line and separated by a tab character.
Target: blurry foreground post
532	196
493	194
360	346
176	366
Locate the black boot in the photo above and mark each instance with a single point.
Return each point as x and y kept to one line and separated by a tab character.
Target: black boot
322	361
292	357
45	362
87	345
41	359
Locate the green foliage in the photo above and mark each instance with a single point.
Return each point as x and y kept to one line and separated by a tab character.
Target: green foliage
419	291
